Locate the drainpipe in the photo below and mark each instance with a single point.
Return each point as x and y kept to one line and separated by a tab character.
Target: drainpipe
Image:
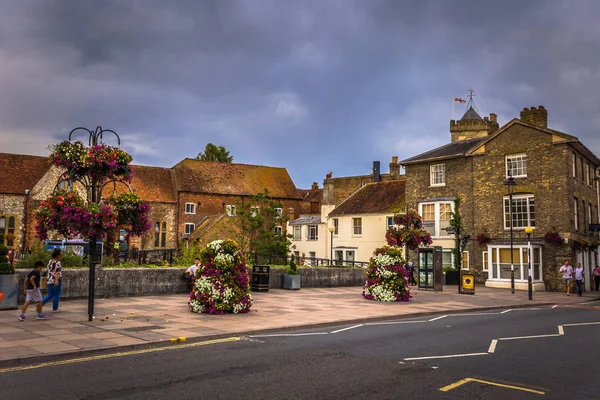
24	241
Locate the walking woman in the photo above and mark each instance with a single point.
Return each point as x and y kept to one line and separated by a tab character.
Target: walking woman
597	276
54	280
579	278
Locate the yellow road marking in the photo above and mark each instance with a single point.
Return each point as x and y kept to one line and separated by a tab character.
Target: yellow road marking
123	354
467	380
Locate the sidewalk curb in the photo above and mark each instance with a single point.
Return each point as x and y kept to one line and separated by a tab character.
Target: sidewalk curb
29	360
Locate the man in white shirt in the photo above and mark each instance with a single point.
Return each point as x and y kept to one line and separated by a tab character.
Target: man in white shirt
191	271
567	273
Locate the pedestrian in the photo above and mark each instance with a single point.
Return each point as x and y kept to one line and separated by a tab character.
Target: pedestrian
54	269
596	274
567	272
31	288
117	250
190	273
579	278
411	269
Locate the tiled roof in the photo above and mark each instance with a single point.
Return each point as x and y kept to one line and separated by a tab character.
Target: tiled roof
374	198
20	172
307	220
314	196
471	114
152	184
205	225
233	179
453	149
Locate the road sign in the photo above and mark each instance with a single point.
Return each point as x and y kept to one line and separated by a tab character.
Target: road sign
451	230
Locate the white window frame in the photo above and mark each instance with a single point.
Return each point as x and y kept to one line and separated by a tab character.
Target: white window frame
254	211
574	165
485	258
279	211
506	199
309	234
438	232
354	226
521	267
434	170
297	228
231	210
462	260
388	226
513	158
278	230
192	207
189	231
336	226
587	174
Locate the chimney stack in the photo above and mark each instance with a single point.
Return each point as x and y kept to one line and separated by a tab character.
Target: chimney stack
376	173
535	116
394	168
315	186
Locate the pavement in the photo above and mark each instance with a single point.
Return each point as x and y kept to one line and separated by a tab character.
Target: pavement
137	322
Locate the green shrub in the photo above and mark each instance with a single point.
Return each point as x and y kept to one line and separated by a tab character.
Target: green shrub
5	267
291	269
67	260
189	252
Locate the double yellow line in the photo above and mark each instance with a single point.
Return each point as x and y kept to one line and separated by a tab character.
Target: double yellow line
113	355
467	380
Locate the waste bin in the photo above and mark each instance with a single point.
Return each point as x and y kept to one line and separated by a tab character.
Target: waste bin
468	284
260	278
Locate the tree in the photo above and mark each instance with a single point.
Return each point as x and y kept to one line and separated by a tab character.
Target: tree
215	153
259	225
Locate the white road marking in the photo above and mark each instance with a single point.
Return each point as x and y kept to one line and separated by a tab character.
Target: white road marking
529	337
394	322
493	346
436	318
561	330
505	311
583	323
469	314
289	334
554	306
448	356
348	328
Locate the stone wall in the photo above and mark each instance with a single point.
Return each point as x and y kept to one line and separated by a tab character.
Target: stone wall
12	205
121	282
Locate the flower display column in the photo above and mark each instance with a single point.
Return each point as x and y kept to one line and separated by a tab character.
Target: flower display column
386	277
222	284
65	213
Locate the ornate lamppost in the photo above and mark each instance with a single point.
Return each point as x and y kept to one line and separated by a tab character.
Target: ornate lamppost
93	218
511	183
529	231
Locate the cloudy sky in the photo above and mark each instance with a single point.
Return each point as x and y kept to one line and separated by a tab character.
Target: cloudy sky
313	86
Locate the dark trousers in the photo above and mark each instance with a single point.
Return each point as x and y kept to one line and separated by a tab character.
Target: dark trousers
411	278
579	291
597	278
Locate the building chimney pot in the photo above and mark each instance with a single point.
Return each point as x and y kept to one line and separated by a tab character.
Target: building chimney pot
315	186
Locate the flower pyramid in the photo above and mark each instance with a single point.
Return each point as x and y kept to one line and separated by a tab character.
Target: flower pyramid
387	279
222	283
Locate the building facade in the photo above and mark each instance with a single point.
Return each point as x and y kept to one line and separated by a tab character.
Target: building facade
554	192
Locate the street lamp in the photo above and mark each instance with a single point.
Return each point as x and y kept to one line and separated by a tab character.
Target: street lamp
529	231
511	183
331	230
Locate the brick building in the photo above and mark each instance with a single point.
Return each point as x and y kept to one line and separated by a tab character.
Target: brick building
554	191
182	198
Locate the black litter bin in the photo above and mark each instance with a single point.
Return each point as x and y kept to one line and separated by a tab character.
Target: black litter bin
260	278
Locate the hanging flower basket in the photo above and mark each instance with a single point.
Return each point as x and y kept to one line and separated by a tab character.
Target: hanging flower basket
409	231
581	244
482	238
61	212
552	237
132	212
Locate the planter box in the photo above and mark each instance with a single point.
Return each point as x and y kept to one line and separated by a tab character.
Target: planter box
9	287
291	281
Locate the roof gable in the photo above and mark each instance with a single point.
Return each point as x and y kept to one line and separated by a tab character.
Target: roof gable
374	198
450	150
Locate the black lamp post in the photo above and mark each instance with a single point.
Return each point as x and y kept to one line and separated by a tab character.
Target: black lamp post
529	231
331	230
511	183
93	185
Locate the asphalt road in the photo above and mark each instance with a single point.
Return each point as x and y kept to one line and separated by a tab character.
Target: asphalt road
487	356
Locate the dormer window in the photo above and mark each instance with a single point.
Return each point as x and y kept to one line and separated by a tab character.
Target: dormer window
437	175
516	166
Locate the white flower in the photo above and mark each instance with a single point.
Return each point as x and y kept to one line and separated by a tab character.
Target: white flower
384	259
215	245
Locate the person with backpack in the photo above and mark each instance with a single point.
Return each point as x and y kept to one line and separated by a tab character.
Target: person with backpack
54	271
596	274
31	288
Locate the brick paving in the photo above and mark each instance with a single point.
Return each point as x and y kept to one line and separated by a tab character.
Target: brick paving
125	323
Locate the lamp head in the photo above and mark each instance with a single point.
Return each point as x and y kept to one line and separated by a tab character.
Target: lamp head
511	183
529	230
332	229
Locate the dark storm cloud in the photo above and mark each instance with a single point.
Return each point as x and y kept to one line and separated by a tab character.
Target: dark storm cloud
313	86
